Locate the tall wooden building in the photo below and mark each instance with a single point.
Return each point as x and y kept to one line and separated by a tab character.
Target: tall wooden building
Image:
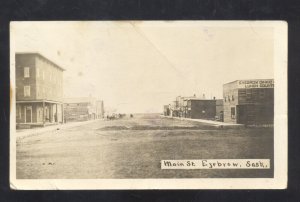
39	90
249	102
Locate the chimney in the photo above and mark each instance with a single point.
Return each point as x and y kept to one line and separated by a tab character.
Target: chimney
214	97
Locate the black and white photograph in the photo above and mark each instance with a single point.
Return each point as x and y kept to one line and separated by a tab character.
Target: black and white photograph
148	105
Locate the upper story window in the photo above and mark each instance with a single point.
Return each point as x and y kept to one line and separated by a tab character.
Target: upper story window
26	91
26	72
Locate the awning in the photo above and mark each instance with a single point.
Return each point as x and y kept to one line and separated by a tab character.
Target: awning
39	101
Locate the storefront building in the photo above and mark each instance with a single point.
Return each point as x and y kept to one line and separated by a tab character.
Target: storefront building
249	102
195	108
83	109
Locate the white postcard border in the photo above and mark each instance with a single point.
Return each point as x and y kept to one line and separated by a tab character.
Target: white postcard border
280	133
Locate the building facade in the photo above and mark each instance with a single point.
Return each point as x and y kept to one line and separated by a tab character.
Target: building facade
178	108
83	109
39	90
249	102
196	108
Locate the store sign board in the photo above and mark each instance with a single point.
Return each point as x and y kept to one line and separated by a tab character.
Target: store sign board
257	83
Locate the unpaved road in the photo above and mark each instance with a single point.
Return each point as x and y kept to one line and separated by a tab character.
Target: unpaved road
133	148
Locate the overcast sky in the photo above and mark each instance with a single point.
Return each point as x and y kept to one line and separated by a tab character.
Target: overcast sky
140	66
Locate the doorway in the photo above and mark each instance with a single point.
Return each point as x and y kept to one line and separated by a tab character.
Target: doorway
28	114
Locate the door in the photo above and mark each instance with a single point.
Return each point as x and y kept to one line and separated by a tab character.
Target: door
28	114
40	114
47	114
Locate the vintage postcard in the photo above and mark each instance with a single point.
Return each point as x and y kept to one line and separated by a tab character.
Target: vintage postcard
148	105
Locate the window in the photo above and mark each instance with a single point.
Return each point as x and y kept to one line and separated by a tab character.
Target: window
26	91
233	112
26	72
43	75
232	98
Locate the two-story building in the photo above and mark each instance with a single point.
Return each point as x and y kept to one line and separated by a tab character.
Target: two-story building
39	90
249	102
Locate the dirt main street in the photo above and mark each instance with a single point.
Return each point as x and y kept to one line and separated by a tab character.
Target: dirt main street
134	147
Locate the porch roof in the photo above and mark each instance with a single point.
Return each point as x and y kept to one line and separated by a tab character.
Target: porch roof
39	101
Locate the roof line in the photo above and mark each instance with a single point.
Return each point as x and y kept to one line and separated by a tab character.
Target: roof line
246	80
40	55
